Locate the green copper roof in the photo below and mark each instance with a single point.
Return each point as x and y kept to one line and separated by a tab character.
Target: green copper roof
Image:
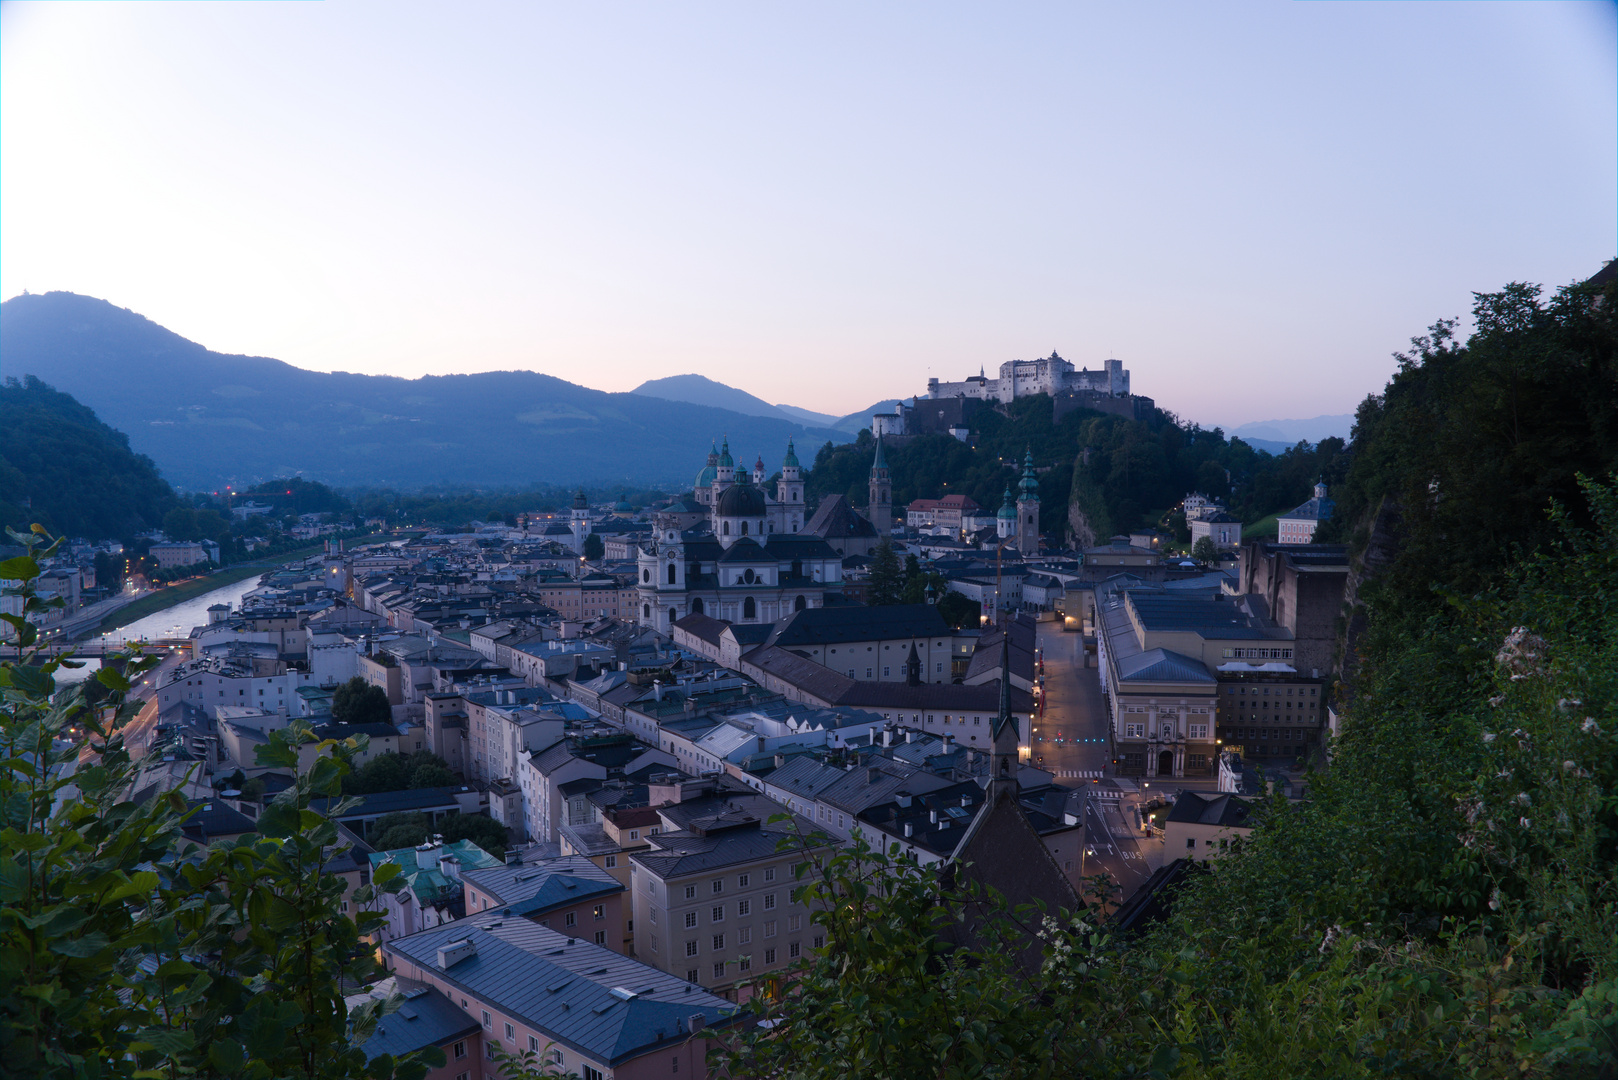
791	460
724	455
1008	509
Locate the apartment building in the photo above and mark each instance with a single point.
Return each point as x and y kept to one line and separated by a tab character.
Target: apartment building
713	892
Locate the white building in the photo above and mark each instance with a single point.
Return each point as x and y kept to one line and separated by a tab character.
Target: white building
1022	378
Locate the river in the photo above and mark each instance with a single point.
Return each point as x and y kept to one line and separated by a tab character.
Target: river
178	620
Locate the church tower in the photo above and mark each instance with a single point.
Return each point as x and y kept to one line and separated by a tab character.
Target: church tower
580	522
881	509
1028	509
758	472
789	491
725	472
1005	522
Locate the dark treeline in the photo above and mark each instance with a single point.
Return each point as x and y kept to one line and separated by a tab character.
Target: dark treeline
1120	473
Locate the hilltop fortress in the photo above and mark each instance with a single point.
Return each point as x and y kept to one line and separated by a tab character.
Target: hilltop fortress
1051	375
948	406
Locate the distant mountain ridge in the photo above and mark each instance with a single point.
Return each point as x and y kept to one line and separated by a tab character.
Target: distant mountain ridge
701	390
209	419
1291	432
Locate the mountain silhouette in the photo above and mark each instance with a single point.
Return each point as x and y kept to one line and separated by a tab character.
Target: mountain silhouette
208	419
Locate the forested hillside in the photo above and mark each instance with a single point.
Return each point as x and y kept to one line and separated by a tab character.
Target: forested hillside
63	468
1445	901
1118	473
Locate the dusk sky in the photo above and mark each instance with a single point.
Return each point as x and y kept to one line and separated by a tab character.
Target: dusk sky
1250	205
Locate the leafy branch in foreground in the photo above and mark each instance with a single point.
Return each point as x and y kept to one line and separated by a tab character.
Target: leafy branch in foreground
125	950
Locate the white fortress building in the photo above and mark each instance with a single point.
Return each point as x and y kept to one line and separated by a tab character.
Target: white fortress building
1050	375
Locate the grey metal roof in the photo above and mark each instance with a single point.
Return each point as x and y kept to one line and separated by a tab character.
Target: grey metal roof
567	988
530	889
1162	665
1225	811
426	1018
677	854
830	626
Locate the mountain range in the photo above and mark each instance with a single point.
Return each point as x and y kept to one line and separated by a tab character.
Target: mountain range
209	419
701	390
1277	436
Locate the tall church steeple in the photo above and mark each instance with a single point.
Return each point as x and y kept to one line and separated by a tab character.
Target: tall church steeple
789	491
881	508
1005	734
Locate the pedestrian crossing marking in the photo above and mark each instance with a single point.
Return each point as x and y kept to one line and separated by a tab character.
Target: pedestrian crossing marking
1081	774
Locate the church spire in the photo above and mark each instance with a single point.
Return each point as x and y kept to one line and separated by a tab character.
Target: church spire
1005	733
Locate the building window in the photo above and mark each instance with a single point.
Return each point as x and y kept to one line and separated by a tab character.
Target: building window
744	936
717	914
744	908
769	928
886	671
601	937
794	951
741	881
570	919
654	942
691	975
458	1051
590	1073
488	1021
719	970
690	892
719	943
599	911
769	956
511	1032
820	941
690	948
612	862
744	964
769	873
1190	842
794	923
690	920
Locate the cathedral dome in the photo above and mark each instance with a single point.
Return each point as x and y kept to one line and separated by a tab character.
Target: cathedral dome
742	500
706	477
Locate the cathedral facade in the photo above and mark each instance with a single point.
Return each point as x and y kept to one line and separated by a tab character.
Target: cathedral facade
749	562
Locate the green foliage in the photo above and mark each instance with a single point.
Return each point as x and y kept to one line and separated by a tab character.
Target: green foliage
397	772
1102	473
594	548
64	468
886	582
126	951
359	702
1205	550
407	829
191	523
959	610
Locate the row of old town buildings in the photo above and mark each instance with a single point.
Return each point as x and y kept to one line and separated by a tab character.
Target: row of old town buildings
669	729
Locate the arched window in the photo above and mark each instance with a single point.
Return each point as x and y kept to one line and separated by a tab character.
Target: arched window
646	576
671	574
697	607
727	528
797	568
748	576
646	611
749	609
744	528
799	604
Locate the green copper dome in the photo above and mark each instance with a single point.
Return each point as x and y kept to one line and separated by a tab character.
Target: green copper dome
791	460
1008	509
725	459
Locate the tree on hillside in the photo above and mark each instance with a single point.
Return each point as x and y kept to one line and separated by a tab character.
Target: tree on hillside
594	549
886	582
1205	551
358	702
960	611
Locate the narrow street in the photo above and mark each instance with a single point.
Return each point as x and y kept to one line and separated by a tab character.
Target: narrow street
1071	741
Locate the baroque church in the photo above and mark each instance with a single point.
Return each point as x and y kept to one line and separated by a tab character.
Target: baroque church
737	552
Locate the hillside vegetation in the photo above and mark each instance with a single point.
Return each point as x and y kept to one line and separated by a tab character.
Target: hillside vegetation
1098	474
63	468
1445	903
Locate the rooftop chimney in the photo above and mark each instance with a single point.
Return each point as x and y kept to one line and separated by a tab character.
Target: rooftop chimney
695	1023
902	798
873	774
909	829
932	815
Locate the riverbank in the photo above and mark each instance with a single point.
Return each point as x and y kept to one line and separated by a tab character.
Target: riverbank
174	595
